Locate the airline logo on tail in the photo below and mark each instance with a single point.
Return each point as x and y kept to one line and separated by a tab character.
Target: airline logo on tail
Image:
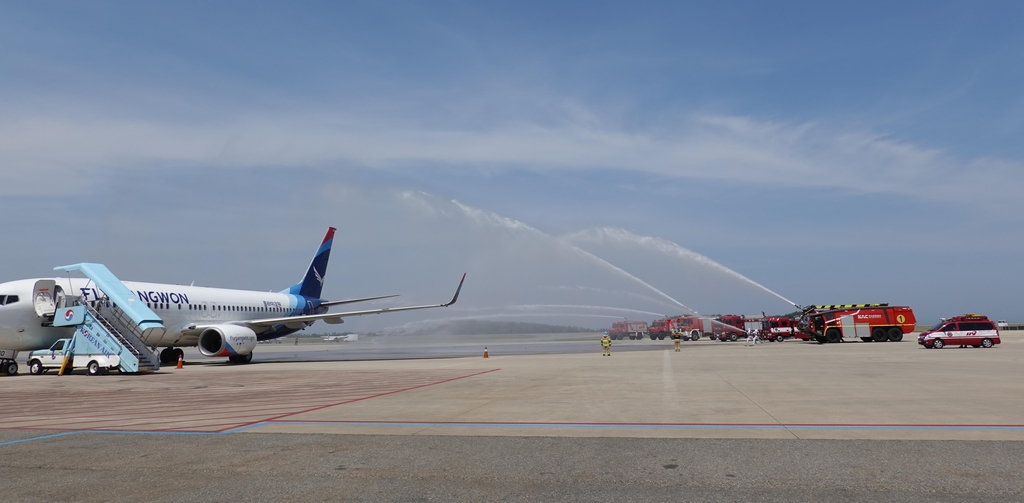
313	281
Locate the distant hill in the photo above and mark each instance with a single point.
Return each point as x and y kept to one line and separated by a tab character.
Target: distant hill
487	327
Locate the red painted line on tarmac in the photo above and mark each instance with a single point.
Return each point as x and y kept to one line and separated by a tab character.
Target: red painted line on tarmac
243	425
720	425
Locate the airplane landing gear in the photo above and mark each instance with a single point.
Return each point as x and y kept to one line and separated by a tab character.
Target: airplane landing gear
171	355
9	367
246	358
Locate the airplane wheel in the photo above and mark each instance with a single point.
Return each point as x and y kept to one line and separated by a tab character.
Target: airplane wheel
35	367
240	358
178	353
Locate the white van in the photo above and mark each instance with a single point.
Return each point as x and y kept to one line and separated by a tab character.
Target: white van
41	360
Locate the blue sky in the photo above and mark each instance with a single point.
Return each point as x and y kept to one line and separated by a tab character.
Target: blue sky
858	153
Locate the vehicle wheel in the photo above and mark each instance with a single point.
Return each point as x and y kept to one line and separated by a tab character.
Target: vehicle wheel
92	368
986	343
895	334
833	335
12	368
733	337
35	367
653	337
878	335
240	358
938	344
695	336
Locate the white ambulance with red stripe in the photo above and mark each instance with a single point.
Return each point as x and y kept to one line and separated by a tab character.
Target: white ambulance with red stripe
973	330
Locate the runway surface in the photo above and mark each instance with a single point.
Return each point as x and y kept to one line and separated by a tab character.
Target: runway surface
715	422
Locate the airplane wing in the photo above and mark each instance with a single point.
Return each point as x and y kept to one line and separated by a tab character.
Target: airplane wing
335	318
353	301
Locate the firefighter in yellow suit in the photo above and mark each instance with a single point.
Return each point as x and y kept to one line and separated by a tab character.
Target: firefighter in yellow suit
606	345
677	337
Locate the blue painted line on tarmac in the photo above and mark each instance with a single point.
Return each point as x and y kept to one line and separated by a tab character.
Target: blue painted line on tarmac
44	437
648	426
112	432
895	427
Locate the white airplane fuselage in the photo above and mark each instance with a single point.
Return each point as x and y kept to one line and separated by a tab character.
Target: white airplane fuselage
24	323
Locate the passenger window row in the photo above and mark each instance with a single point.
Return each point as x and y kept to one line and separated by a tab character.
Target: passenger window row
248	309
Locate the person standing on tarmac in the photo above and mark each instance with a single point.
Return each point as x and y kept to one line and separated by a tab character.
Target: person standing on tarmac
676	337
606	345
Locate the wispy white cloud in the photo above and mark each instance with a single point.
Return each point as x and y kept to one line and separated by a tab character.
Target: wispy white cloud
736	149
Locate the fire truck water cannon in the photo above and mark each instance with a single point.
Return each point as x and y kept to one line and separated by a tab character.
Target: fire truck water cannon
868	322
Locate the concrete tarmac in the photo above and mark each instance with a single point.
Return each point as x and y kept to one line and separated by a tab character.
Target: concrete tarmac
716	422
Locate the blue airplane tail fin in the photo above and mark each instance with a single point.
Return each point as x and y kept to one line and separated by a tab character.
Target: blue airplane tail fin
313	282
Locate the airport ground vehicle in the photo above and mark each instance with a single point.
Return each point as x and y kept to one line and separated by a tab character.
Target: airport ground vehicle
778	328
974	330
712	328
867	322
631	329
660	329
41	360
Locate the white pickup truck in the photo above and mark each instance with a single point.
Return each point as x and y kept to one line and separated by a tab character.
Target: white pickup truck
41	360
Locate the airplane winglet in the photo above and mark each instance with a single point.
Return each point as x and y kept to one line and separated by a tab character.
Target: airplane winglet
457	290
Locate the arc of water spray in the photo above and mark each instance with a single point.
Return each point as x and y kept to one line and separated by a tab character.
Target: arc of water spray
671	248
516	225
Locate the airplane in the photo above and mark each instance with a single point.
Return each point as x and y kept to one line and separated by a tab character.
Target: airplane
193	316
341	338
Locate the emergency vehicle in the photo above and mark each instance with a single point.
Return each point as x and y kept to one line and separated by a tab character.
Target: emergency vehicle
631	329
665	327
727	322
867	322
974	330
712	328
778	328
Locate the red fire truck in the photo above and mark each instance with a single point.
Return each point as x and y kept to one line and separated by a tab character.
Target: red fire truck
630	329
660	329
712	328
867	322
778	328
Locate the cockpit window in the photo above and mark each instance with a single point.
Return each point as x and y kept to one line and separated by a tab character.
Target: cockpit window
2	299
11	299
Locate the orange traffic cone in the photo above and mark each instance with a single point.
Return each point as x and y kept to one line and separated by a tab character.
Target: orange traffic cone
181	361
485	353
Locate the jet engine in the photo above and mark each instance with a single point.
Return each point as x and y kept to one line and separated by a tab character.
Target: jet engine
227	340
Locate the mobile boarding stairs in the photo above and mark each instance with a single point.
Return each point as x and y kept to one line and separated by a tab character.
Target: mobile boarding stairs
117	326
